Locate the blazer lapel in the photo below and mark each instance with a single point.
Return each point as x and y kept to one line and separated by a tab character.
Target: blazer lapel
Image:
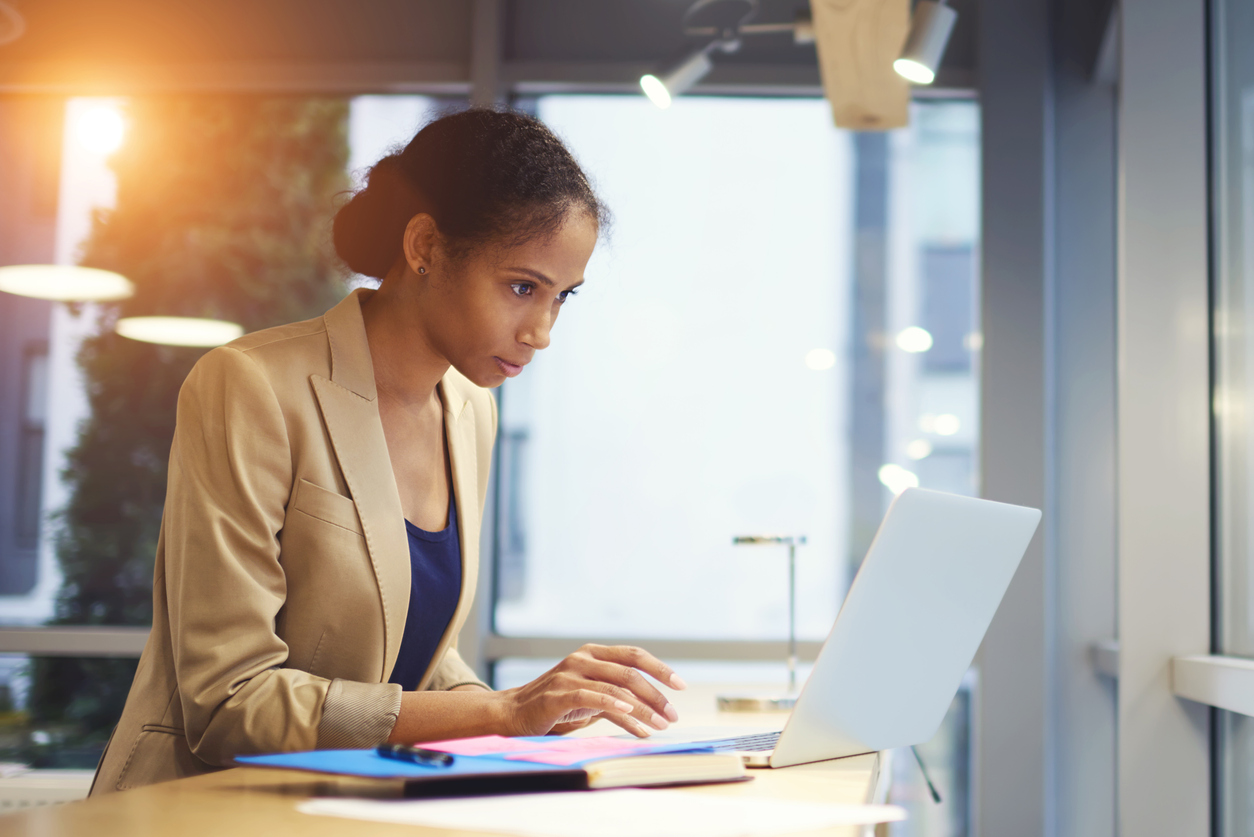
460	431
350	410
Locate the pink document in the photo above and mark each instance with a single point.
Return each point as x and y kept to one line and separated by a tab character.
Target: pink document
483	745
555	750
568	751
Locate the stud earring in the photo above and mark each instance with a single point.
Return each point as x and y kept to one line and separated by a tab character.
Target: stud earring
422	270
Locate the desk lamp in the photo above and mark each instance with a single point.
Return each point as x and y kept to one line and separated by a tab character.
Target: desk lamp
785	702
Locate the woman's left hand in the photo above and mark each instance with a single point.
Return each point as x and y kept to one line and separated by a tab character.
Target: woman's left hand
596	681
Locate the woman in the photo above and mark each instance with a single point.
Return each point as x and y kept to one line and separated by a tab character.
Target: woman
318	548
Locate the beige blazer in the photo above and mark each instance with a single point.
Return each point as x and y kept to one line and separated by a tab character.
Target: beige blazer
282	573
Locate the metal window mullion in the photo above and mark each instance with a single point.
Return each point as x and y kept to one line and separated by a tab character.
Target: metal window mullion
86	641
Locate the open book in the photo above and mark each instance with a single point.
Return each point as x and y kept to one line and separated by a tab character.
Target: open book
492	764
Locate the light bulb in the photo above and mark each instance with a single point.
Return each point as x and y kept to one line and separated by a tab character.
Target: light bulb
655	90
100	129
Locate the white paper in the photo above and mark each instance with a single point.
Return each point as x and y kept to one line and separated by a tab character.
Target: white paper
610	813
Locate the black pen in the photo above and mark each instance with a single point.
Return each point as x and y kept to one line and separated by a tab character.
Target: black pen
415	755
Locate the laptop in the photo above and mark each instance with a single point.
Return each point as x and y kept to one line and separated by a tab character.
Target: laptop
906	634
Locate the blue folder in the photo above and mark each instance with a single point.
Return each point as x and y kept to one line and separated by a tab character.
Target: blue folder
467	774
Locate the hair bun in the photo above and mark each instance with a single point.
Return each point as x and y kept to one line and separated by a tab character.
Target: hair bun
481	174
368	230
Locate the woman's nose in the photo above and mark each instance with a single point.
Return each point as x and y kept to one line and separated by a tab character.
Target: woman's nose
536	331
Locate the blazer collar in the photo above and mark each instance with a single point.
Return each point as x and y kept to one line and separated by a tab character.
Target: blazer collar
352	368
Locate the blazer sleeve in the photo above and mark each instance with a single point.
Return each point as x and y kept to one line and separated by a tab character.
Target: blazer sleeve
230	481
453	672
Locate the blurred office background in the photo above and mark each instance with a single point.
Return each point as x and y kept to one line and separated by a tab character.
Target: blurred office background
1034	292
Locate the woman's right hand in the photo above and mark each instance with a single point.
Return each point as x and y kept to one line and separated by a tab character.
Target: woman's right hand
595	681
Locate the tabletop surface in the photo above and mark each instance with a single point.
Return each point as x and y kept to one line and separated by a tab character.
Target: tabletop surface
255	802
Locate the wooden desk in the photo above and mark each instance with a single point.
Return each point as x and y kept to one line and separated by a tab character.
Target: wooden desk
252	802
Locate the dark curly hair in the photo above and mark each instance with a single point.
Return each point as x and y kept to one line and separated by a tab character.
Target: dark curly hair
484	176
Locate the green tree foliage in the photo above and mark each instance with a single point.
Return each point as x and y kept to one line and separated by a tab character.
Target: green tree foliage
223	210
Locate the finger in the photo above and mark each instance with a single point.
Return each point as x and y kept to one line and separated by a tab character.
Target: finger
653	702
563	728
629	723
628	704
576	716
583	678
629	655
597	700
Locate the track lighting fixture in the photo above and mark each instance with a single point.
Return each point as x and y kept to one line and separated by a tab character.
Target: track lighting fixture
930	27
722	24
678	77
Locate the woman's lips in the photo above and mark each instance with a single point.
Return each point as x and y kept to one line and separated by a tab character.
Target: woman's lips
510	369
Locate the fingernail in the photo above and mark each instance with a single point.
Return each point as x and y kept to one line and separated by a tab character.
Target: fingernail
671	714
677	681
641	729
622	706
658	721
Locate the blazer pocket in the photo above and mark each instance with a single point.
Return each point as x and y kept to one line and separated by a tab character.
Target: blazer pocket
159	754
327	506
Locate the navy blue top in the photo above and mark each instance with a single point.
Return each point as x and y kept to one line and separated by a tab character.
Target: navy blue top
435	564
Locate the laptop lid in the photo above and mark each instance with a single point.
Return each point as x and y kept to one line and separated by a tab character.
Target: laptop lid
910	626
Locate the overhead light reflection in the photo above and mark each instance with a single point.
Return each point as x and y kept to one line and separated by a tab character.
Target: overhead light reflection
12	24
919	449
946	424
179	331
914	340
897	479
820	359
64	283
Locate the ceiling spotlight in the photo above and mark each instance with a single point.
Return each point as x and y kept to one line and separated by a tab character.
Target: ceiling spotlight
179	331
677	78
720	23
64	283
930	27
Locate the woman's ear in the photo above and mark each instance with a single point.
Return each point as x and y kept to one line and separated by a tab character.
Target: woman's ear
419	242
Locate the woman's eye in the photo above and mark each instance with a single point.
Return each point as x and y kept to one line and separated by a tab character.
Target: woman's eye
565	295
521	289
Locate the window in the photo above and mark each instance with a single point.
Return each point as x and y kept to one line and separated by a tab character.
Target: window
707	380
693	386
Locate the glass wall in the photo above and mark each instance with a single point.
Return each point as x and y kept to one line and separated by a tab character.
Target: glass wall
97	410
1232	131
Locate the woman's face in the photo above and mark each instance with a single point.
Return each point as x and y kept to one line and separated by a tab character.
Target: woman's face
490	313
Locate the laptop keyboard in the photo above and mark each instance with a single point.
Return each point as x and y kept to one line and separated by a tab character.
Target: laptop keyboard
762	743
